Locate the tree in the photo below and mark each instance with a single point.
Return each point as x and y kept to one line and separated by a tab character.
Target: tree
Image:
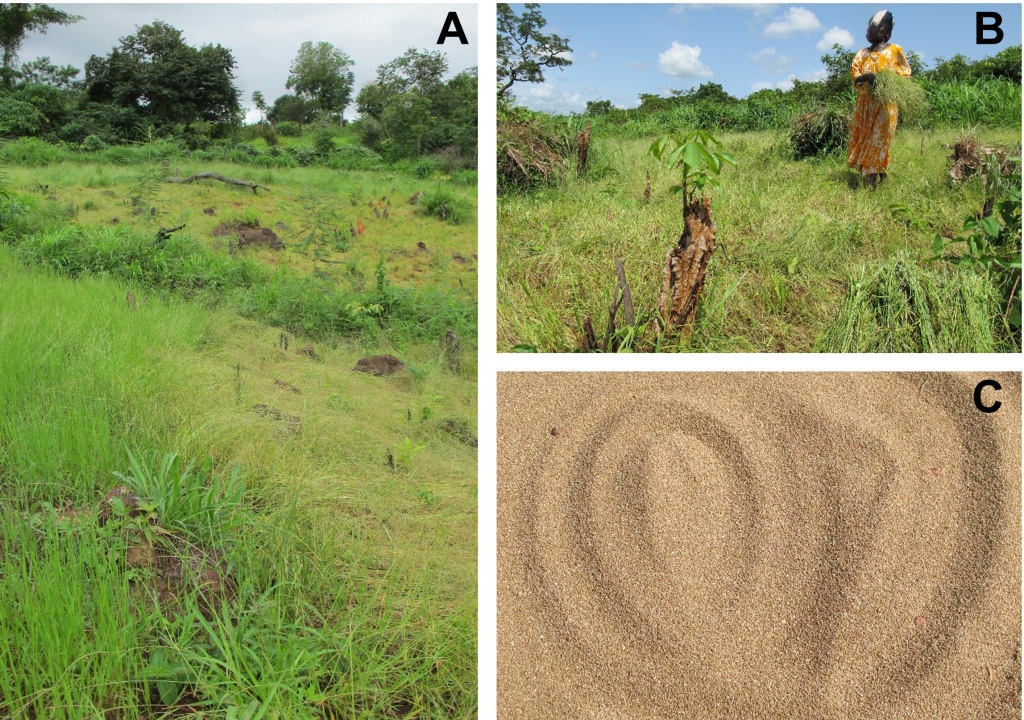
523	52
956	69
42	72
417	69
1004	64
710	92
165	80
916	62
838	81
260	103
598	107
19	19
321	73
291	108
411	114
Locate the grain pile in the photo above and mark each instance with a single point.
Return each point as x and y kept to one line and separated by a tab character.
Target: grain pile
746	545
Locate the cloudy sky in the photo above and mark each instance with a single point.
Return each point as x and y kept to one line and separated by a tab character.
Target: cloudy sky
620	51
265	37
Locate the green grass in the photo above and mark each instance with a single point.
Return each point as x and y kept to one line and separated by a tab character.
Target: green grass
356	585
790	236
102	218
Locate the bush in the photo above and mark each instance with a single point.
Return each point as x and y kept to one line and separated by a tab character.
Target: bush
304	156
289	128
424	169
18	118
269	135
93	143
355	157
323	143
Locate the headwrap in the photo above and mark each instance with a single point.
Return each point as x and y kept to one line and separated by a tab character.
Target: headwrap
883	19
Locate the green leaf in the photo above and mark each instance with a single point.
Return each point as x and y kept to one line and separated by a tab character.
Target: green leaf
157	659
691	154
990	225
728	158
711	159
673	158
676	189
169	691
524	348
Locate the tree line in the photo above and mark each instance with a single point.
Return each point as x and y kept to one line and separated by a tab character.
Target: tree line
154	84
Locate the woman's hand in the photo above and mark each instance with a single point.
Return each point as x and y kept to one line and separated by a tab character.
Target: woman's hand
865	78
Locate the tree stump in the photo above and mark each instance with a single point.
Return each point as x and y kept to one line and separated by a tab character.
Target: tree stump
582	147
686	265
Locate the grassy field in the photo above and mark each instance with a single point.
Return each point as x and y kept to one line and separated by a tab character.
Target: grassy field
793	238
336	577
296	199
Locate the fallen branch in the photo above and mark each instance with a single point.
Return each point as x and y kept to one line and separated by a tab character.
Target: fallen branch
215	176
164	234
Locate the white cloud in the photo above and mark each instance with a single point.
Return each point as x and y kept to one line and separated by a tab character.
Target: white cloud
551	99
683	61
593	56
590	89
567	55
636	65
772	63
758	9
833	36
794	21
787	84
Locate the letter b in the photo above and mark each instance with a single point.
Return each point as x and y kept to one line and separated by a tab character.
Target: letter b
994	26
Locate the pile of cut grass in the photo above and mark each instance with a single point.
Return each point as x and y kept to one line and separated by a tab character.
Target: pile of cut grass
893	89
823	132
902	307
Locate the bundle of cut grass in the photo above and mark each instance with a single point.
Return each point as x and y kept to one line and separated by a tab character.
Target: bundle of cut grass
892	88
528	155
822	132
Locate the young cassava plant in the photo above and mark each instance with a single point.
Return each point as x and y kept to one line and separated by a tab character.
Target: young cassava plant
695	155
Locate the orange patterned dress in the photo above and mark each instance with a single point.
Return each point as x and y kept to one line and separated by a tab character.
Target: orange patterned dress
873	124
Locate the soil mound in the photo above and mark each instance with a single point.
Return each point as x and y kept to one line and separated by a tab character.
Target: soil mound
379	365
247	235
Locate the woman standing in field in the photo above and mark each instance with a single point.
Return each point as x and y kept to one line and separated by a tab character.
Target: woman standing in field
873	123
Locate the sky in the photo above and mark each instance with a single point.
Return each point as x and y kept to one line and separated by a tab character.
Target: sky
264	38
622	50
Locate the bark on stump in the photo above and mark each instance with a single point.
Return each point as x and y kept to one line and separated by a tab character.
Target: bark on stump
686	265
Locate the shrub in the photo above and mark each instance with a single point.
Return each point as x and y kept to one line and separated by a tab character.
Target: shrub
93	143
288	128
323	143
424	169
270	136
18	118
355	157
304	156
